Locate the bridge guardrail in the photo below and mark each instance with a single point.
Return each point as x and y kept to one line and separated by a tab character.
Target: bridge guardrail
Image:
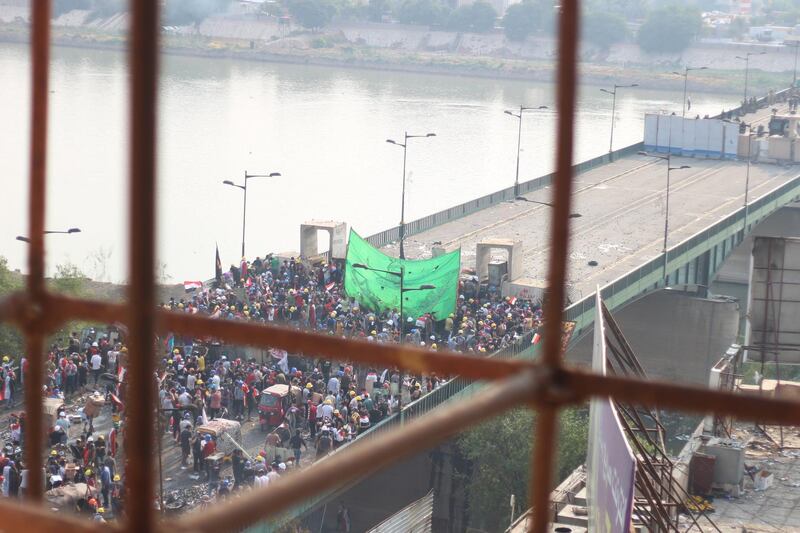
467	208
576	312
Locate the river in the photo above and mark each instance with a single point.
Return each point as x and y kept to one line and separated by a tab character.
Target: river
323	129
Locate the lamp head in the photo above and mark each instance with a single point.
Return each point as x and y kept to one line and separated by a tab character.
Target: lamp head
360	265
74	230
228	182
274	174
427	287
23	239
430	135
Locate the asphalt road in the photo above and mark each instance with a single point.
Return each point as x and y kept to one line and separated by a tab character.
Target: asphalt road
622	207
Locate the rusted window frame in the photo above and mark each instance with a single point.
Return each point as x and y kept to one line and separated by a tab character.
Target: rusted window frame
546	385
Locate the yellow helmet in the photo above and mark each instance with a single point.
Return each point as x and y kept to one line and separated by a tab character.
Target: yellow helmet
53	452
87	472
5	359
176	351
309	386
358	398
101	510
116	477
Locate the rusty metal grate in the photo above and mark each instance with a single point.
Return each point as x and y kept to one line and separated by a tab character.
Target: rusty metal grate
546	385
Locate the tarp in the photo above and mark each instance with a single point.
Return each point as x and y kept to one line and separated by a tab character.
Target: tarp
378	291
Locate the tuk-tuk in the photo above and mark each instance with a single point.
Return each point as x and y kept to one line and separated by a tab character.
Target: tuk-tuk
227	432
50	410
274	404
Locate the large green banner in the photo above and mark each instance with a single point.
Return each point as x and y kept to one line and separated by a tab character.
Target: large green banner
380	290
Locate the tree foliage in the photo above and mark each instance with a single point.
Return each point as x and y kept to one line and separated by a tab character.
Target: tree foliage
670	29
478	17
10	338
186	12
312	14
500	452
523	19
604	29
427	12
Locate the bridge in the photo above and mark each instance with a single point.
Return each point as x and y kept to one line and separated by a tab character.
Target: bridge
622	203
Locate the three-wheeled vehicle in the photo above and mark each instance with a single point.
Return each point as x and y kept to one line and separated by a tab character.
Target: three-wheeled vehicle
274	404
228	434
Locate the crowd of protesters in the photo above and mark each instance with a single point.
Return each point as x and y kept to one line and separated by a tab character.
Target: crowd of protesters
332	402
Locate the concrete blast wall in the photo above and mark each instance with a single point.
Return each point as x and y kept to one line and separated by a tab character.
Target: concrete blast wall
676	337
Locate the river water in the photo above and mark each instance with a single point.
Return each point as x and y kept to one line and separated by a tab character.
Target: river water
324	129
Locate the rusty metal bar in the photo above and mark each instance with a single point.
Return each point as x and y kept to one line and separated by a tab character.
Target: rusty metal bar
362	458
33	329
562	191
31	517
683	397
544	451
144	38
312	344
543	465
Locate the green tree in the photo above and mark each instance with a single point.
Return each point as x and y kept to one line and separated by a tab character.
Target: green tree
478	17
737	28
521	20
377	9
427	12
669	29
604	29
312	14
186	12
10	339
70	281
500	452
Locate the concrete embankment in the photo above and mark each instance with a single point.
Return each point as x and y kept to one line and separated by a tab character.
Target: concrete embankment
415	49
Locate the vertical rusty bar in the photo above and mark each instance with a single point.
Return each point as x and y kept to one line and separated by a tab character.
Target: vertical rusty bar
559	236
40	59
143	58
542	467
544	451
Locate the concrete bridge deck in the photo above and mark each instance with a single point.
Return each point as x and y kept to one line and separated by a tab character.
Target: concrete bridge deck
622	207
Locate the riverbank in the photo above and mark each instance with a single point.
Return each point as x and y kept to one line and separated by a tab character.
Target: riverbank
328	50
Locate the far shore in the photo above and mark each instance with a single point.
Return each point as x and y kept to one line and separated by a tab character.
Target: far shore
389	60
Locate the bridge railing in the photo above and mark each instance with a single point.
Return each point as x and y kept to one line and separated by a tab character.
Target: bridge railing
467	208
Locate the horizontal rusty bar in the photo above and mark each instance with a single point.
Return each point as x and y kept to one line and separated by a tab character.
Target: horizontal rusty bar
60	308
654	393
313	344
361	458
18	516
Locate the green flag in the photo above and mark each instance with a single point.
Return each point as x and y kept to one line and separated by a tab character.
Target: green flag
381	290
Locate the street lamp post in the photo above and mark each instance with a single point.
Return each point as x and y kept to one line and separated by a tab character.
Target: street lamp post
685	82
244	202
750	137
69	231
548	204
670	168
746	60
796	45
522	109
403	290
404	145
613	94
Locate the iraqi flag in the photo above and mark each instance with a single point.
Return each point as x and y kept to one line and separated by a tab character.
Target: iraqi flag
329	286
512	300
536	338
191	286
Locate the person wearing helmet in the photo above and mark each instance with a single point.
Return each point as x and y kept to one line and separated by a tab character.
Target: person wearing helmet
98	515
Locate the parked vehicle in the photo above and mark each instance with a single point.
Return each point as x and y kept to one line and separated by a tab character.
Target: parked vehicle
274	404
